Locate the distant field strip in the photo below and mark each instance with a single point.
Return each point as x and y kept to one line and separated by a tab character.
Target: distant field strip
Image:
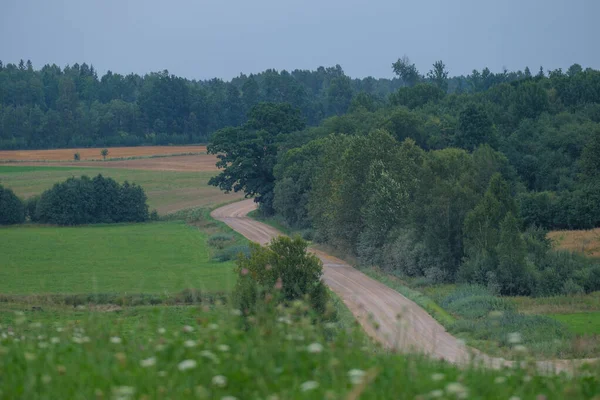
168	191
586	323
94	153
141	258
583	241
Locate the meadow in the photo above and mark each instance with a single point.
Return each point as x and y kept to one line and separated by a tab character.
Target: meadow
216	353
94	153
158	258
167	191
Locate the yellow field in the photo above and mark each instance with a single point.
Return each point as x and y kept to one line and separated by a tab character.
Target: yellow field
586	242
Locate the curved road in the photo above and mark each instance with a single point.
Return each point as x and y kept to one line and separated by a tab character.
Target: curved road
401	324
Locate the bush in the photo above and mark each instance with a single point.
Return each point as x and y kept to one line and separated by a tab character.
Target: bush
220	240
88	201
282	269
232	253
12	210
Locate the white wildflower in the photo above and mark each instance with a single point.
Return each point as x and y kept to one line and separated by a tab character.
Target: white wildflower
30	356
514	338
43	345
210	355
223	347
314	348
500	379
187	364
162	374
162	331
236	312
456	388
438	377
54	340
514	398
284	320
520	348
309	385
35	325
356	376
190	343
435	394
148	362
188	328
229	398
213	327
115	340
123	392
219	381
46	379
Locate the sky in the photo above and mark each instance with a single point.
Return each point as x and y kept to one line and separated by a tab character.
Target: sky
202	39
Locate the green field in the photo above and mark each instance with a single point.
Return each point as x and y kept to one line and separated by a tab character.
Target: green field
168	191
141	258
581	323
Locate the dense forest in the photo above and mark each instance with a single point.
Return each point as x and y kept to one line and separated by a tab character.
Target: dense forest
73	107
445	179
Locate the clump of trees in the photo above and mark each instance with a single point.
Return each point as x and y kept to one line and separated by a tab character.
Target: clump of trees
449	184
89	201
12	209
282	271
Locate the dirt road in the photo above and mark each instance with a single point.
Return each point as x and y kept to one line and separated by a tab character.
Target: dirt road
401	323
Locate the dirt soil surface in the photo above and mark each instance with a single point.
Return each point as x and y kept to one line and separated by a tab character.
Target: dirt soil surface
401	324
195	163
94	153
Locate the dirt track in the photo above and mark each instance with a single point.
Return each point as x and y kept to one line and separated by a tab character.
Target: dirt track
402	324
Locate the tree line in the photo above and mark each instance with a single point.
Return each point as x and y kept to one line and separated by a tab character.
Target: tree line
73	106
445	186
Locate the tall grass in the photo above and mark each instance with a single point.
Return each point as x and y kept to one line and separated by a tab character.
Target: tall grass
216	353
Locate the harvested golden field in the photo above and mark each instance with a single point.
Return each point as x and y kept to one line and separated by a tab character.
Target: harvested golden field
94	153
584	241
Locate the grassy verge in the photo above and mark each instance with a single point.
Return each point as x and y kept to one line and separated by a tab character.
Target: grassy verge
191	352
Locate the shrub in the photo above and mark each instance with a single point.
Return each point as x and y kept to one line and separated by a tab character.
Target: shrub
12	210
475	307
232	253
87	201
76	157
285	270
220	240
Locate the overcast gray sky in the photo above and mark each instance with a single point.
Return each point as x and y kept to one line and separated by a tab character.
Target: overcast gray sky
220	38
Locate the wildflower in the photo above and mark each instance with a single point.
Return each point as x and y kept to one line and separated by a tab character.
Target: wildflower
115	340
46	379
81	339
356	376
500	380
162	331
515	398
213	327
456	389
279	285
496	314
54	340
514	338
309	385
210	355
42	345
434	394
437	377
314	348
61	369
35	325
285	320
30	356
148	362
162	374
219	381
244	271
527	378
123	392
189	343
187	364
268	267
188	328
236	312
59	329
223	347
228	398
520	348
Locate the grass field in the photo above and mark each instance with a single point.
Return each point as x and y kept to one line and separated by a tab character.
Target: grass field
192	352
581	323
94	153
168	191
585	241
142	258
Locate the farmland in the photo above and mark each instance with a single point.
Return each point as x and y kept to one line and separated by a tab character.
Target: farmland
167	191
159	258
94	153
581	241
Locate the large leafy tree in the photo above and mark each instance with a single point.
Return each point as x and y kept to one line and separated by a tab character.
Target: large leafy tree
247	154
